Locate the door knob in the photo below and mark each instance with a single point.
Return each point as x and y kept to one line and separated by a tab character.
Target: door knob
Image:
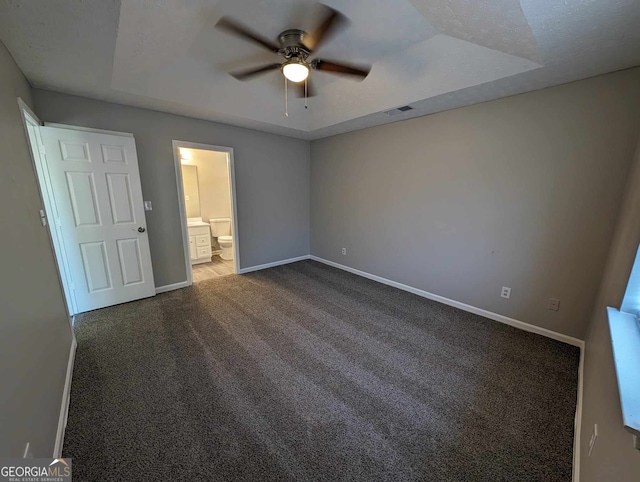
141	229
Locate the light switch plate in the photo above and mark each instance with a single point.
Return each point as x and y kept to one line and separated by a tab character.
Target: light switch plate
43	217
148	206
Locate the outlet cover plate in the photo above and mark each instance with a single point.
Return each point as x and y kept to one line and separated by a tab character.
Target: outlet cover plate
506	292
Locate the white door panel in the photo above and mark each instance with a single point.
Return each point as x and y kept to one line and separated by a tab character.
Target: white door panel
97	191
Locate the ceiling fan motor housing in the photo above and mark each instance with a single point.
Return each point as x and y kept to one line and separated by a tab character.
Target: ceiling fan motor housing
291	42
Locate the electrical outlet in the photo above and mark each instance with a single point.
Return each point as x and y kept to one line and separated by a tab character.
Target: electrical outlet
554	304
344	251
594	437
506	292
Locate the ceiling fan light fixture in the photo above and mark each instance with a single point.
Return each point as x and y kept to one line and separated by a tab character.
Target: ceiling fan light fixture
295	70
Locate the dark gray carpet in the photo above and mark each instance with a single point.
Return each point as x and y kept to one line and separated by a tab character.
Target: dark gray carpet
305	372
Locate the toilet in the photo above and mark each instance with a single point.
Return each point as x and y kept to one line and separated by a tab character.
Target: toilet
221	230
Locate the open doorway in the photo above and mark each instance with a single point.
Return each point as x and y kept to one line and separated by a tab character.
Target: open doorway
206	188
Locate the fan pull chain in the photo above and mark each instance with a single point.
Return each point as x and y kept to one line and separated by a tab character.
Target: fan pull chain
305	94
286	98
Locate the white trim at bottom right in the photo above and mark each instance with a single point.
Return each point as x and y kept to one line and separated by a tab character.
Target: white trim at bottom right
577	428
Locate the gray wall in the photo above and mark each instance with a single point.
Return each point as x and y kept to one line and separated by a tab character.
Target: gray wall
272	178
631	300
35	335
521	192
613	457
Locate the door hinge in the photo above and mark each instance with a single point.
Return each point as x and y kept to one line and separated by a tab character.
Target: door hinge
58	222
72	286
43	150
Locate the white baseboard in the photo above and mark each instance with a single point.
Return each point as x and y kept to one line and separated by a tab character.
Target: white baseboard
174	286
271	265
184	284
502	319
463	306
66	395
578	420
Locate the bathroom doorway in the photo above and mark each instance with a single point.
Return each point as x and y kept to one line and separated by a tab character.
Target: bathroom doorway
206	194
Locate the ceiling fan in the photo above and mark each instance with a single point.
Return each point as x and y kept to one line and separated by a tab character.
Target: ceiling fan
296	47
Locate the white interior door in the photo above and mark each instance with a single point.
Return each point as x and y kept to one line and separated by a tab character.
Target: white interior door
96	188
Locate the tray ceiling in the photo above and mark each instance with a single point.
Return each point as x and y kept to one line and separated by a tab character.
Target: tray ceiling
431	54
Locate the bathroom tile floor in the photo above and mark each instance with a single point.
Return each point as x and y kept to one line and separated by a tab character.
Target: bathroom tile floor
218	267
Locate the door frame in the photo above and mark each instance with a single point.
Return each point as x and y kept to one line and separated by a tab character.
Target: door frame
183	211
41	170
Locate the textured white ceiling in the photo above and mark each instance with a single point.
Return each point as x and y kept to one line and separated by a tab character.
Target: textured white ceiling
431	54
495	24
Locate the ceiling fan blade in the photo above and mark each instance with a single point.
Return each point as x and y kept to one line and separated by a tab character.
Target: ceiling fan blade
234	28
341	69
299	89
247	74
331	22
